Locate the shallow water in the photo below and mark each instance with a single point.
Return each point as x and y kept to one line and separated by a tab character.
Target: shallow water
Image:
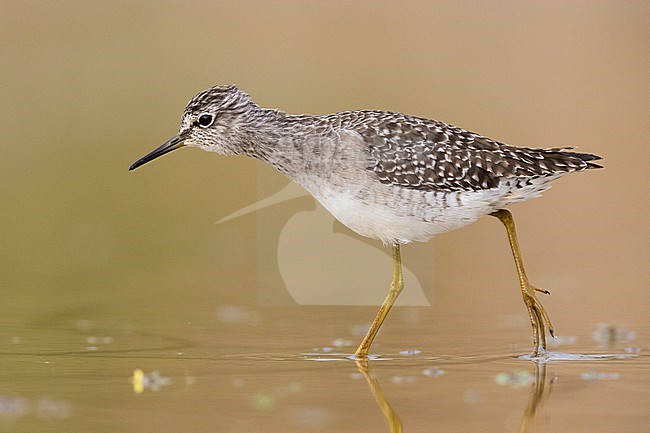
290	370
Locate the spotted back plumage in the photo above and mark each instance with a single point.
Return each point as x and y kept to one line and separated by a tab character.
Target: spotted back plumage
402	150
425	154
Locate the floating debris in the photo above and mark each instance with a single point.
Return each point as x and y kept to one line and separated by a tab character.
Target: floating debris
592	376
291	388
336	344
237	314
83	325
53	408
473	396
562	340
340	342
267	400
93	342
608	334
238	382
403	380
514	379
360	330
410	352
44	407
152	381
263	401
433	372
13	406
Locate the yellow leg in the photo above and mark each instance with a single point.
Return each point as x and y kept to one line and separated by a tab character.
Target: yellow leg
538	315
396	286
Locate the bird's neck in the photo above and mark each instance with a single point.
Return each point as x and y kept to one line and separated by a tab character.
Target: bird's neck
290	143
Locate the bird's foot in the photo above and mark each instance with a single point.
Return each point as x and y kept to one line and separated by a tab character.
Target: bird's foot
539	319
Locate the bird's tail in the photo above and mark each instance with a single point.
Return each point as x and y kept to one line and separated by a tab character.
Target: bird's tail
585	157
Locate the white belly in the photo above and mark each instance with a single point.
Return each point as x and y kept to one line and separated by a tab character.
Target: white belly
400	215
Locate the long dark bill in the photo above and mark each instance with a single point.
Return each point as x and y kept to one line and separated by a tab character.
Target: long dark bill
173	143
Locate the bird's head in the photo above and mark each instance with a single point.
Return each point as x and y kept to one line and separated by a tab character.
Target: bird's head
214	120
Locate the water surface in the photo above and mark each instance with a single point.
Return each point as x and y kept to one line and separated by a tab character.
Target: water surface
290	370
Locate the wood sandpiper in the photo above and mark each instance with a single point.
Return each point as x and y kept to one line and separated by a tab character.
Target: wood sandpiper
387	176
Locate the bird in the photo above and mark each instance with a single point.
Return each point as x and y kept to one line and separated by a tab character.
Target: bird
385	175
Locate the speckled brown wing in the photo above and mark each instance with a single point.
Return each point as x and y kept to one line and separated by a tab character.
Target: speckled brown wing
430	155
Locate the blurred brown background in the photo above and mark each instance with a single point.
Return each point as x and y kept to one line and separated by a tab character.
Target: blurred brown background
103	270
89	87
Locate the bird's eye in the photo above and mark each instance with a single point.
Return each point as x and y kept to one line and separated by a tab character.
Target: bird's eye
205	120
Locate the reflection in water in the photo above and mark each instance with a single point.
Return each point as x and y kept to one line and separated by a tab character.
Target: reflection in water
394	421
539	393
538	397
